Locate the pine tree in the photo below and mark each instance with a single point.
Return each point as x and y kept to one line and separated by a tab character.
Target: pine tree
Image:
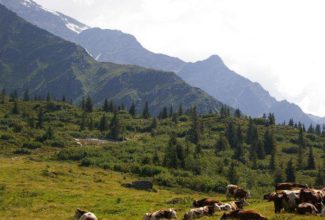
260	150
180	155
132	110
311	160
291	122
15	109
103	124
238	113
271	119
251	135
164	113
88	104
195	128
156	158
239	153
311	129
318	129
14	96
278	176
48	97
301	139
106	106
171	111
272	164
83	104
83	122
154	124
175	118
319	181
232	175
290	172
146	113
117	128
300	159
170	159
222	144
49	134
3	96
269	142
180	110
40	118
26	95
64	99
231	134
90	123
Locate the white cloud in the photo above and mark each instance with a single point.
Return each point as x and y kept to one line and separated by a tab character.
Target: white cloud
280	44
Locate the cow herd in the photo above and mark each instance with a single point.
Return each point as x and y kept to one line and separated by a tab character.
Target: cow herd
298	198
290	197
208	206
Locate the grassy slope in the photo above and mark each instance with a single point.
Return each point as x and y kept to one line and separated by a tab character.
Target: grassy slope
39	187
36	188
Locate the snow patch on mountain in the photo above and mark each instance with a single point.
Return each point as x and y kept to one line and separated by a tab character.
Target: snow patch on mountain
75	28
98	56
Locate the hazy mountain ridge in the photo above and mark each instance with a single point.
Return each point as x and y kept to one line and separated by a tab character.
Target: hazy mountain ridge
211	75
35	60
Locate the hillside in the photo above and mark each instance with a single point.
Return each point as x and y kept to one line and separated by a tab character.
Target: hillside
44	168
210	75
35	60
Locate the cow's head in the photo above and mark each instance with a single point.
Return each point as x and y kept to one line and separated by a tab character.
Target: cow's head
172	214
88	216
216	207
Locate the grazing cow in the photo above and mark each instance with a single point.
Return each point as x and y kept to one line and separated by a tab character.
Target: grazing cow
84	215
289	186
307	209
237	192
162	214
205	202
243	215
200	212
290	200
270	196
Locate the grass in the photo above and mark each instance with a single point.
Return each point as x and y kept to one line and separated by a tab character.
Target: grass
33	187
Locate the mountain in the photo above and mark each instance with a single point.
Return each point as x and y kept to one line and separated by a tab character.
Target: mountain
211	75
214	77
54	22
35	60
317	119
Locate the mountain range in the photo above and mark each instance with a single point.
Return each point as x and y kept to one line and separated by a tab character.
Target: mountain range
210	75
36	60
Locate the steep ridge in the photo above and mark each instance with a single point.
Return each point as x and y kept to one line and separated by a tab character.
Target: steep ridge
211	75
35	60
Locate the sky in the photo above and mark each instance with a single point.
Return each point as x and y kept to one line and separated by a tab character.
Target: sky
278	43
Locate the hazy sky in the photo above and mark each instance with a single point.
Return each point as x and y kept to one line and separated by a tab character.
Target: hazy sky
278	43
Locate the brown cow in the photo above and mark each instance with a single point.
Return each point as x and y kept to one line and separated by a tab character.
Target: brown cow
237	192
312	195
307	208
162	214
243	215
289	186
205	202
